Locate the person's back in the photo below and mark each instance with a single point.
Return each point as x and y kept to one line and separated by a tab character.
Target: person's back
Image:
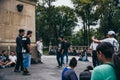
86	74
63	72
70	75
104	72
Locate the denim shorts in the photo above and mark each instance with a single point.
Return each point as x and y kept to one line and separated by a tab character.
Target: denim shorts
26	60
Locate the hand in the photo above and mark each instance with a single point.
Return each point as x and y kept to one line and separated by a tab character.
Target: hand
93	37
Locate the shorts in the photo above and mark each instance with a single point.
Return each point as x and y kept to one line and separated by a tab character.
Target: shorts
26	60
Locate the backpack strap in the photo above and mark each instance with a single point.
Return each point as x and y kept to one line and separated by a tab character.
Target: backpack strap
110	65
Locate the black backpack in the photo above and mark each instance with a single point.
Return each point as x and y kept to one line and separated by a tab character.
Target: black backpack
85	75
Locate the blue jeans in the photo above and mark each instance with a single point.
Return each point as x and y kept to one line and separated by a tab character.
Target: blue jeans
59	58
26	60
65	54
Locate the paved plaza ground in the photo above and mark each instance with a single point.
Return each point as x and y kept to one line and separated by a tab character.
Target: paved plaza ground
46	71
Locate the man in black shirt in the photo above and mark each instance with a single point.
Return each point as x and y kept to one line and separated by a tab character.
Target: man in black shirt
19	62
26	53
60	50
66	46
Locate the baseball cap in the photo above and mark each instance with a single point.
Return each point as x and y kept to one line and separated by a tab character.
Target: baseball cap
111	33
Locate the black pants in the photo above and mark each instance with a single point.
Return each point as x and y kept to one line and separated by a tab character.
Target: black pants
39	55
19	63
59	59
95	59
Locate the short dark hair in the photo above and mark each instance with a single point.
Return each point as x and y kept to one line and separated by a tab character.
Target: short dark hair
29	32
73	62
61	37
3	51
21	30
89	67
106	48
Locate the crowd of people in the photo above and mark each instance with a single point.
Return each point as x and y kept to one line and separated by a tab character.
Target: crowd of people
7	60
105	57
106	61
23	50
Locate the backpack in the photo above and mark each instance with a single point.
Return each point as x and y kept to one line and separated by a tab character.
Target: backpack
86	75
116	46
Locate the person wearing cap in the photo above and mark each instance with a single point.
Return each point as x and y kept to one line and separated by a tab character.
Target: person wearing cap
110	38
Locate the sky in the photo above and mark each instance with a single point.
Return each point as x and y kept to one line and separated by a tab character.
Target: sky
69	4
63	2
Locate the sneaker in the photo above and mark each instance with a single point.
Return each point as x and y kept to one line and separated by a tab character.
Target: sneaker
2	67
40	62
16	71
59	66
26	73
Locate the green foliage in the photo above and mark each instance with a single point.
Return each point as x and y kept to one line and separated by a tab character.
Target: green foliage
52	22
91	11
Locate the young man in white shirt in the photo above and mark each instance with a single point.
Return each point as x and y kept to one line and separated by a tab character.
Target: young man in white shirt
12	58
93	47
40	49
110	38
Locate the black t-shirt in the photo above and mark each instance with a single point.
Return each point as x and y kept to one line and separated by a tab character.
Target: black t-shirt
19	44
4	58
66	46
25	42
60	46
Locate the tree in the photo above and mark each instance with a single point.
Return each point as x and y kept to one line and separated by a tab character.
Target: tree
93	10
52	22
85	10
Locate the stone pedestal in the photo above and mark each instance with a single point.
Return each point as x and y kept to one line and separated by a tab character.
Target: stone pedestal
11	20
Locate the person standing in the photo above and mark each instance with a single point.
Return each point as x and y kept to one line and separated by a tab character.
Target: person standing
93	47
60	50
107	69
110	38
19	62
26	52
40	49
66	46
68	73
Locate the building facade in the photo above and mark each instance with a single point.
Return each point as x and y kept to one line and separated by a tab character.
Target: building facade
14	15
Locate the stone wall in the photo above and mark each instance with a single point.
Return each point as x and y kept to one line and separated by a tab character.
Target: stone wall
11	21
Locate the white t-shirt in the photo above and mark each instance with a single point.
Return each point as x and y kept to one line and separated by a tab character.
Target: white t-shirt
93	46
13	58
40	47
113	41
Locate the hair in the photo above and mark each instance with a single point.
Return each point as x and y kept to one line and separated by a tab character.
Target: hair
73	62
116	62
3	51
106	48
11	52
61	37
21	30
89	67
29	32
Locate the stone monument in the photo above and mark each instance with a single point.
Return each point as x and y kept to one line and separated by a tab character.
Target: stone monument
14	15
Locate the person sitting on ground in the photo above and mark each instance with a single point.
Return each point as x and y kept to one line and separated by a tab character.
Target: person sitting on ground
83	56
1	63
68	73
86	74
110	69
13	59
4	58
